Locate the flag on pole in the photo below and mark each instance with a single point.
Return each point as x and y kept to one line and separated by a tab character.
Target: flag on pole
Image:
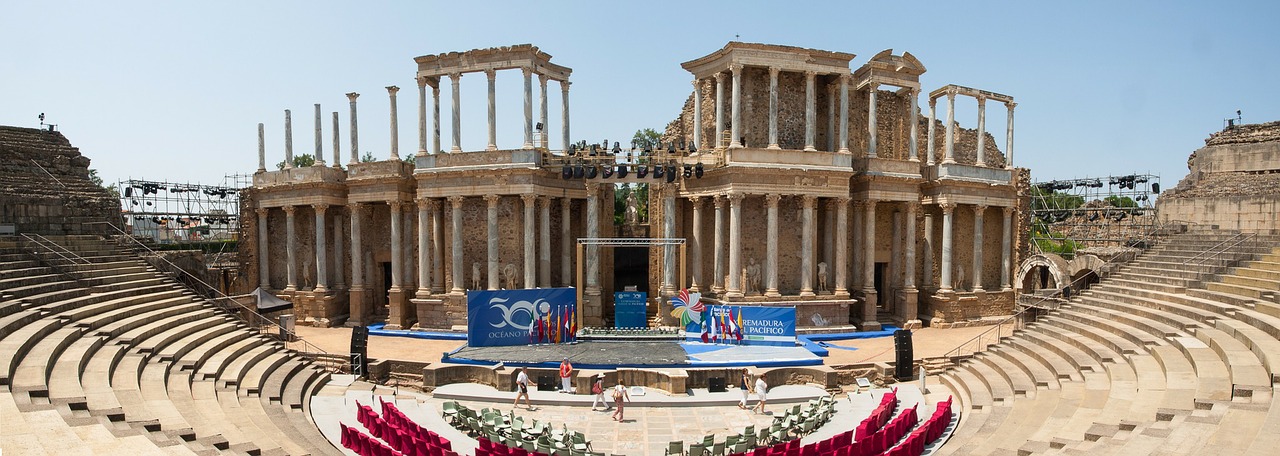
568	328
741	325
724	329
733	325
533	329
573	328
706	325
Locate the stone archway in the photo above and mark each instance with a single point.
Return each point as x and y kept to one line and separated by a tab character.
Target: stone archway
1043	271
1085	270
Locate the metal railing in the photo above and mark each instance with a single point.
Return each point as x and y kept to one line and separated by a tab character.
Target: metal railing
70	258
47	173
245	313
1223	247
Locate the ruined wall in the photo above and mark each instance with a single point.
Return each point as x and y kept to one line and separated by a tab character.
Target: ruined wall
45	187
1234	181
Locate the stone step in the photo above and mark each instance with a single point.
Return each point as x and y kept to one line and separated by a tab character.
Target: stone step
1242	290
1058	367
1082	361
1033	368
1261	270
1254	282
1012	374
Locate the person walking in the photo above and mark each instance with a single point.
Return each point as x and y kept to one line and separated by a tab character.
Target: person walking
744	384
762	390
619	396
566	373
597	388
522	388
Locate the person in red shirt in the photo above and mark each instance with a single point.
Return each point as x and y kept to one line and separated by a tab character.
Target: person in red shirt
566	372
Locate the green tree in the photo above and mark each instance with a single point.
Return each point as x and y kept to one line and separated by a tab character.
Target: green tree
620	202
646	137
97	180
299	161
367	157
1120	201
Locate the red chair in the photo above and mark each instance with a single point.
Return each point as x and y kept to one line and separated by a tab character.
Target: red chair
762	451
809	450
793	452
482	452
793	445
824	446
443	443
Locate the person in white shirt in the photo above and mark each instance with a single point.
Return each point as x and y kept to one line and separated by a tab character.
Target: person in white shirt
597	388
522	386
762	389
619	395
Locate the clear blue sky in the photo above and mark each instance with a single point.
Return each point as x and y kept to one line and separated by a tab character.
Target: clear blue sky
174	90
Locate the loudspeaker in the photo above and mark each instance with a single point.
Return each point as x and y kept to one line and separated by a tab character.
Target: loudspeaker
359	351
546	383
716	385
905	366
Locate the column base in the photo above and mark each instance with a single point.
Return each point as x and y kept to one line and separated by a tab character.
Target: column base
359	314
841	293
399	315
843	151
870	326
422	293
457	292
772	293
775	147
733	294
289	289
810	149
527	147
491	147
807	294
455	150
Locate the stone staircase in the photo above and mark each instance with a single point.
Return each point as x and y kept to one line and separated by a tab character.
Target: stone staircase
109	356
1176	353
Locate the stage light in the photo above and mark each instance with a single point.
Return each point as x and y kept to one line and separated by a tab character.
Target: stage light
606	172
622	171
659	171
697	170
671	147
641	171
671	174
693	148
577	172
573	149
593	150
591	171
539	126
1155	188
616	149
688	171
566	172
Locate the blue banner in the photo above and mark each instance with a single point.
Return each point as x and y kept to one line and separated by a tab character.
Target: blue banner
519	317
740	324
629	309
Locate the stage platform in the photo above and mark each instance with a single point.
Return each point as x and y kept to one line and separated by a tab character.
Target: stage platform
636	354
697	397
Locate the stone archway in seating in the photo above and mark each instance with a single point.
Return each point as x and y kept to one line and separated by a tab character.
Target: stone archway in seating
1043	271
1085	270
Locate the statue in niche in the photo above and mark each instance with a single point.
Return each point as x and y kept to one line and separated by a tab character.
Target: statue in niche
633	210
475	276
822	276
753	271
746	283
509	276
959	279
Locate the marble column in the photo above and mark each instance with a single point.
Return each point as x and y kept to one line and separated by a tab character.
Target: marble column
424	246
978	212
842	247
407	276
492	76
494	263
735	286
871	119
869	253
855	257
528	119
948	221
339	250
827	219
831	117
810	111
668	231
844	113
395	124
435	116
695	249
927	248
1006	250
735	108
909	257
773	107
807	231
291	242
437	246
564	113
322	271
718	249
455	81
397	250
455	240
337	149
933	121
593	231
893	277
982	131
566	242
355	131
530	230
1008	140
950	145
719	133
356	294
264	263
913	152
319	138
262	149
422	120
542	111
288	140
771	241
544	242
697	113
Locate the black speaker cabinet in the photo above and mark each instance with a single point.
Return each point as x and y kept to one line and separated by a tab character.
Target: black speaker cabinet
546	383
716	385
359	351
905	360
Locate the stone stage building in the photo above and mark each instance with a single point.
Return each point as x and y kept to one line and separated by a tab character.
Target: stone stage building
816	187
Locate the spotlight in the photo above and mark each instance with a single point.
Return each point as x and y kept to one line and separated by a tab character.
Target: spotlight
1155	188
593	150
616	148
566	172
671	174
606	172
573	149
539	126
697	170
688	171
577	172
622	171
693	148
642	171
671	147
591	171
659	171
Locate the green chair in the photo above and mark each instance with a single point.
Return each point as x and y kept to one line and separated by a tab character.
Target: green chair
697	449
730	440
578	441
717	449
740	447
450	411
675	447
707	441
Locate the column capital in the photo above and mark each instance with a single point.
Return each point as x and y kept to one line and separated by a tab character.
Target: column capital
593	189
1010	105
773	71
720	77
719	201
289	209
951	95
526	71
544	201
845	77
352	96
982	100
695	200
696	83
529	198
809	201
320	207
455	76
542	79
772	199
355	207
913	206
1008	210
564	86
979	209
430	203
456	201
947	207
933	103
492	199
736	69
422	82
913	91
422	202
873	86
262	210
870	204
735	198
392	90
843	199
810	74
395	205
491	73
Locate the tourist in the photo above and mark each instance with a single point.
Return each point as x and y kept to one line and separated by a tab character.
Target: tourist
566	372
522	385
762	389
744	384
597	388
619	395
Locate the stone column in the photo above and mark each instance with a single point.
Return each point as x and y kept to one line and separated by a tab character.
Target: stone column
771	241
869	316
264	265
697	115
530	229
566	243
291	242
319	139
398	315
355	131
827	219
695	250
734	288
1008	140
927	247
542	110
831	117
544	243
397	250
528	118
422	121
262	149
437	246
844	113
564	113
773	107
947	223
395	124
288	140
668	231
735	109
1006	250
337	149
856	254
977	246
492	75
356	294
842	247
494	262
912	149
871	119
455	239
909	257
592	284
322	271
435	116
807	231
949	155
982	131
810	111
338	249
718	250
893	279
719	133
933	120
425	208
455	81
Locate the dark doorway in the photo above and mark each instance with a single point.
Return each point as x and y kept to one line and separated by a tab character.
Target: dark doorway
882	272
630	268
384	297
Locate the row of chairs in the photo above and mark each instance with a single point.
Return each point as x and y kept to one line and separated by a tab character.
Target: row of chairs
886	440
393	434
796	422
513	431
879	416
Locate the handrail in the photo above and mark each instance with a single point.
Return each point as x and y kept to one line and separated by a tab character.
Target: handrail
314	352
41	241
1239	238
47	173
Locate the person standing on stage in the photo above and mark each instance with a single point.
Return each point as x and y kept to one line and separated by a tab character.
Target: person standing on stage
762	390
619	396
566	373
522	386
744	384
597	388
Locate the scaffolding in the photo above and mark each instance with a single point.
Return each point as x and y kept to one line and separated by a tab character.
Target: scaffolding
1112	211
170	212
